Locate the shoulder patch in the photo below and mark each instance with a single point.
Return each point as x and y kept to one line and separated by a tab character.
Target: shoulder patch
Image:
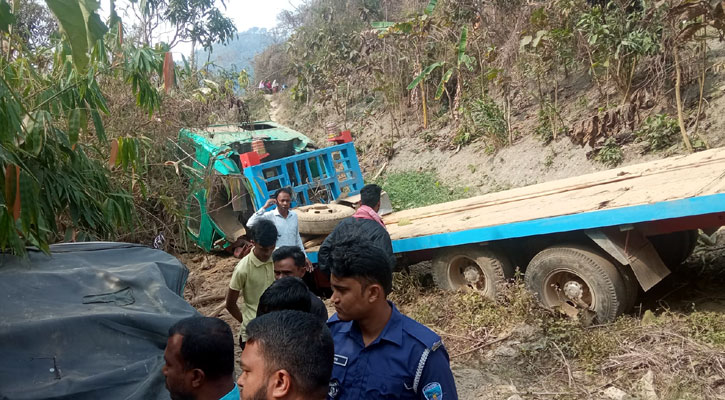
421	332
433	391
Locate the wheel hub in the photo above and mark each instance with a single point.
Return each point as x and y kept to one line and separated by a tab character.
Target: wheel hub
573	290
472	275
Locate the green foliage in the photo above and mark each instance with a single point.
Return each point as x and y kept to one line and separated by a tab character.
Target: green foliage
324	53
617	38
708	327
52	135
550	124
589	347
6	16
34	24
610	154
81	25
430	7
486	120
426	72
658	132
417	189
199	21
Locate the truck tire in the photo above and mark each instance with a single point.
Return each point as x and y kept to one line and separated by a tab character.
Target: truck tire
674	247
321	219
473	267
579	282
630	284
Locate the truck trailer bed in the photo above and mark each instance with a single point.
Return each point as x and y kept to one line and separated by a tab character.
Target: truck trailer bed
675	187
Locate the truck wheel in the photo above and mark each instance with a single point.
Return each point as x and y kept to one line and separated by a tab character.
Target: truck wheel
321	219
630	284
579	282
471	267
674	247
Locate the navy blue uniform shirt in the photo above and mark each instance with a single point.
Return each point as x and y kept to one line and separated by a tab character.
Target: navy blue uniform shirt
407	361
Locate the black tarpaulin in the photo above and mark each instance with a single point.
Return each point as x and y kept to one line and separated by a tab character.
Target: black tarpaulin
88	322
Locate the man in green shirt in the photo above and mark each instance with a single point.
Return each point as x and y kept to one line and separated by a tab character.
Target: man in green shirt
253	274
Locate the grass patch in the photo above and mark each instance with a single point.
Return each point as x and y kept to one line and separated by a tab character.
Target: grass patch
417	189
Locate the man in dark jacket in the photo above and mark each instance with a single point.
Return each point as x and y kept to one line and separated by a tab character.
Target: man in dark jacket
365	223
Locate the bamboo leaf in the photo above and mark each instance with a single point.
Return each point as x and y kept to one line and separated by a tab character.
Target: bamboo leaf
424	74
442	84
74	125
6	16
98	124
462	44
382	25
539	35
81	24
430	7
29	203
12	189
525	41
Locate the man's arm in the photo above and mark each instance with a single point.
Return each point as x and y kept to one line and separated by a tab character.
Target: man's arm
231	304
239	278
299	243
260	214
437	377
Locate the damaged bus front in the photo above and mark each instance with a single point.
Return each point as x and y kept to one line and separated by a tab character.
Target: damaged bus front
221	199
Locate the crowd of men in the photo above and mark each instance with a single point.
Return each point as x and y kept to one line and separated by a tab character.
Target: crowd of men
290	349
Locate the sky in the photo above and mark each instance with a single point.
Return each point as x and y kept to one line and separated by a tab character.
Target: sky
246	14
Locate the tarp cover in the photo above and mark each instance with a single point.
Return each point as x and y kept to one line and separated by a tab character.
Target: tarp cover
88	322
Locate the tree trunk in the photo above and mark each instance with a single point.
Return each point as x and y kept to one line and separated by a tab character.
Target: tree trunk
678	98
423	103
457	98
193	55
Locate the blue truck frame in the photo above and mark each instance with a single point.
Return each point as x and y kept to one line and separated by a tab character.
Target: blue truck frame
334	168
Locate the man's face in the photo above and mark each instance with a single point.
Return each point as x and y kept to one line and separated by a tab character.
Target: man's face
254	378
263	253
284	201
287	267
350	299
178	380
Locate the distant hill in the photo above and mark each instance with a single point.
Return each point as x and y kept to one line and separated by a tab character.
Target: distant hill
239	53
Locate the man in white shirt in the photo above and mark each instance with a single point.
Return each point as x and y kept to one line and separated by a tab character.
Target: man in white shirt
284	219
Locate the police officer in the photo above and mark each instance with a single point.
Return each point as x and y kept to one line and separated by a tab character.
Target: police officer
379	352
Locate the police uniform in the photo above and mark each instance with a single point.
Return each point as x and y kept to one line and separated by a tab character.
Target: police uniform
407	361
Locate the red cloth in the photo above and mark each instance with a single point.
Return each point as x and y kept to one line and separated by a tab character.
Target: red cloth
366	212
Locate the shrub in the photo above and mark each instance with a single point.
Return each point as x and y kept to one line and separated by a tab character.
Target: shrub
486	119
658	131
610	154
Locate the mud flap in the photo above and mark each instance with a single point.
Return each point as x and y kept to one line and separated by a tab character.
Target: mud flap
631	248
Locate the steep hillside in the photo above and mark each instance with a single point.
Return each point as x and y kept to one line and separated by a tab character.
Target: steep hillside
494	95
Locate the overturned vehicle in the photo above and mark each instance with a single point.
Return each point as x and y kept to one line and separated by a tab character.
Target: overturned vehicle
234	169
